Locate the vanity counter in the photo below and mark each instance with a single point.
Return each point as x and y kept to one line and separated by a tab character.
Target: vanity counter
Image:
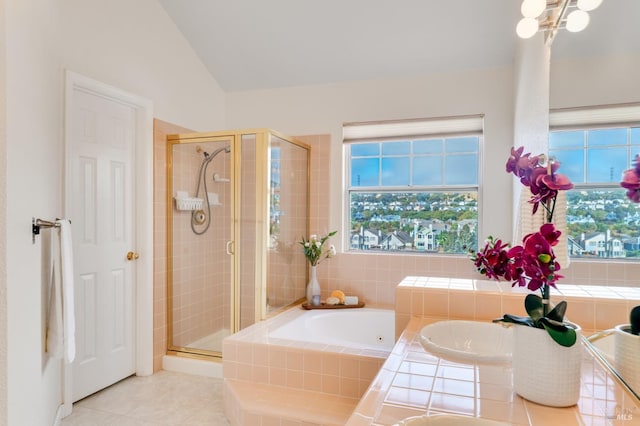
414	382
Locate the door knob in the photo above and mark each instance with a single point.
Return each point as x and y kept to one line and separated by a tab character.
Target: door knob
132	255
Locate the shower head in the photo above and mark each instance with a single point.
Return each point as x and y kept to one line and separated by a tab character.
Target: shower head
226	149
208	157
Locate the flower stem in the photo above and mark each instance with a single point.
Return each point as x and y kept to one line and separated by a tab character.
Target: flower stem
545	299
550	207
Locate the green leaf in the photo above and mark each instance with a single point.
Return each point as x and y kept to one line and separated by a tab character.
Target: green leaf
558	312
553	323
515	319
534	307
560	333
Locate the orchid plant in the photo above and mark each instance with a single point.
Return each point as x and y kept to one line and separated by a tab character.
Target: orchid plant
313	248
631	181
532	264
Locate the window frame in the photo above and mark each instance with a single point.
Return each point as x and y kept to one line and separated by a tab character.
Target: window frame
349	189
625	116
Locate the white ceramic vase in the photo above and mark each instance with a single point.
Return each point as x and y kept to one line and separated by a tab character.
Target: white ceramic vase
627	355
545	372
313	288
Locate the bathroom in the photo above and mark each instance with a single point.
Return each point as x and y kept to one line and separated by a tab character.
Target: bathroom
42	38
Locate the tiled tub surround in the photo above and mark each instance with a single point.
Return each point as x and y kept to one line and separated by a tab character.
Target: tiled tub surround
279	380
413	382
592	307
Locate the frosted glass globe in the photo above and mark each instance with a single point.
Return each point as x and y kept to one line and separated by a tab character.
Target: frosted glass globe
577	21
527	27
588	5
533	8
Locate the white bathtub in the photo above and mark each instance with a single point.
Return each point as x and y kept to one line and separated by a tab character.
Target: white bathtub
365	328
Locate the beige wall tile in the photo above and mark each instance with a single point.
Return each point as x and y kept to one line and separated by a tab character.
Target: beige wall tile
436	304
330	365
462	304
582	311
331	384
610	313
350	368
350	388
488	306
313	382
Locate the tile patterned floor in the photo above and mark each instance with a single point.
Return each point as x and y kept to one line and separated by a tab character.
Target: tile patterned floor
163	399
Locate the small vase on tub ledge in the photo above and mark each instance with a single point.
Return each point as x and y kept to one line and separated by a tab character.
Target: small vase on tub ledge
546	358
315	253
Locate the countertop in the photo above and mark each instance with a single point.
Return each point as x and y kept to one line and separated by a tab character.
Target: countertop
414	382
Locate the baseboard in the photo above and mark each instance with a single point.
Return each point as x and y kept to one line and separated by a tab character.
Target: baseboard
192	366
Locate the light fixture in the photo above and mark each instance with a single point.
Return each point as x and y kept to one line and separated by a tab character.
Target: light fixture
527	27
588	5
551	15
577	21
533	8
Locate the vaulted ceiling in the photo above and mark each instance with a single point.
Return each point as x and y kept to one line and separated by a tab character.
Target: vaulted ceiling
256	44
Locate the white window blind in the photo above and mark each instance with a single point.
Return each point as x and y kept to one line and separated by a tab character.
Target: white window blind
397	129
594	116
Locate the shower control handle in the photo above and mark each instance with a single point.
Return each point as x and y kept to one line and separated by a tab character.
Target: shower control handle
230	248
132	255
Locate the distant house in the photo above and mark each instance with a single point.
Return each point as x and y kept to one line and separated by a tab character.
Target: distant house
600	244
574	248
631	244
424	239
366	239
397	240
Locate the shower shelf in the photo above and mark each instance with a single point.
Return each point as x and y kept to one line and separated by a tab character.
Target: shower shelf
189	203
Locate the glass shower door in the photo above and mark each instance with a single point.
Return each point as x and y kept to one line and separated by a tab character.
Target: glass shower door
200	225
239	205
288	222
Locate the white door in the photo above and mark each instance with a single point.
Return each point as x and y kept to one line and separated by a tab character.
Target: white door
100	184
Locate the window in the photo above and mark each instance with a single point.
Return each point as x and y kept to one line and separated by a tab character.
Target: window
412	186
594	147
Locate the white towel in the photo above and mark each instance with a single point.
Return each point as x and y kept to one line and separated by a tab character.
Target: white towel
55	333
66	261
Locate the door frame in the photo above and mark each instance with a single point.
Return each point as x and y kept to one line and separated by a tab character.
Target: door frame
143	220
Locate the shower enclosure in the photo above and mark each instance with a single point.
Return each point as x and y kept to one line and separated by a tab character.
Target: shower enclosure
238	203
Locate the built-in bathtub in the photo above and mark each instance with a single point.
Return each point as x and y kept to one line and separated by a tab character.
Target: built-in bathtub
365	328
316	355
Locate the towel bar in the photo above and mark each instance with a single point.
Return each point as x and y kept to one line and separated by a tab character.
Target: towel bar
36	224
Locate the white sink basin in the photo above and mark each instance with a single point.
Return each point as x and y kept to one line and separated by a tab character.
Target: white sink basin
447	419
475	341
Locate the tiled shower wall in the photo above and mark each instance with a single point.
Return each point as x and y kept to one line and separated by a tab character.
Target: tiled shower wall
248	229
